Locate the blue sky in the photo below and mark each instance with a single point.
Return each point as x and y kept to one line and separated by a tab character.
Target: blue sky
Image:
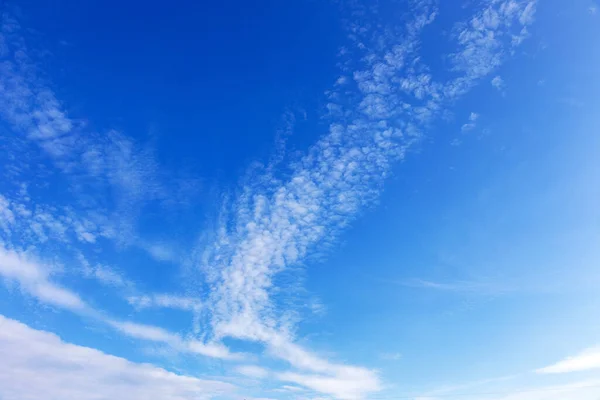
300	200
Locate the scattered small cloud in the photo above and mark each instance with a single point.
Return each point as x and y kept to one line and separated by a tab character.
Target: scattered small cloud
342	80
498	83
317	307
160	252
469	126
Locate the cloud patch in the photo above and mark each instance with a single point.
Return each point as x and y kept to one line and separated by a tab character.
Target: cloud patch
38	364
34	279
498	83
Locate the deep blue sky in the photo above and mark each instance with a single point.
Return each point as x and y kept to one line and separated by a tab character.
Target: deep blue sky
303	199
148	64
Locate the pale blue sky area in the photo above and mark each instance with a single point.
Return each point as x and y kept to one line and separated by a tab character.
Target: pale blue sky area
300	200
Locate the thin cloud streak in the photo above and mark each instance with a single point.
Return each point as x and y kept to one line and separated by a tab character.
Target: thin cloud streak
587	360
483	287
34	279
166	301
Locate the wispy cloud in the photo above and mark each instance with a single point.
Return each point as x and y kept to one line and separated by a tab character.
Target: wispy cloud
378	111
110	176
586	360
581	390
252	371
33	110
37	364
347	384
35	280
103	274
176	342
160	252
271	227
165	301
485	287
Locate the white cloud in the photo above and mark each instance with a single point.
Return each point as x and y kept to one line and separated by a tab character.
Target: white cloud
288	388
34	279
338	380
109	175
342	80
38	365
108	275
160	251
275	225
176	342
214	350
346	385
469	126
498	83
252	371
33	222
165	301
7	217
487	39
145	332
587	360
103	273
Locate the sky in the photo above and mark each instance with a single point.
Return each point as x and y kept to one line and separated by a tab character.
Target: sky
392	199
